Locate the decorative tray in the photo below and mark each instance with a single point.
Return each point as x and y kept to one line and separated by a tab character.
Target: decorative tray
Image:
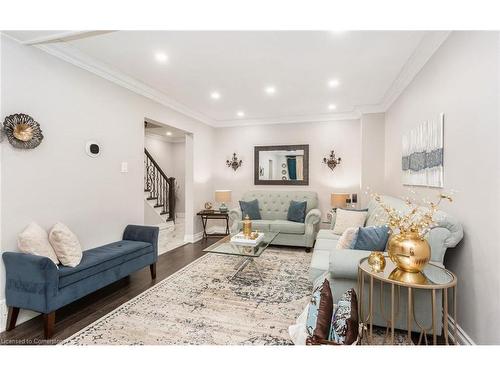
240	239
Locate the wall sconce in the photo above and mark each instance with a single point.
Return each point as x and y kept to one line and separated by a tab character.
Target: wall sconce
234	162
332	161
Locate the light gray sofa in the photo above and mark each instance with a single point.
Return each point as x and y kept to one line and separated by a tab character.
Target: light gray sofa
273	205
342	264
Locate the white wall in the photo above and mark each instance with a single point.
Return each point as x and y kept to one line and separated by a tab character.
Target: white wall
57	181
372	155
342	136
461	80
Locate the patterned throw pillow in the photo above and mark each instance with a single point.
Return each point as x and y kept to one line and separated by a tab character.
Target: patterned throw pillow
344	327
251	209
320	313
346	219
347	239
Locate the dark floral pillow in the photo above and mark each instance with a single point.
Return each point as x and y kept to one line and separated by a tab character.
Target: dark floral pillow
320	312
344	327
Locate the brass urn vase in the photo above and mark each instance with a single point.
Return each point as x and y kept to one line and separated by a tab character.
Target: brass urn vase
247	227
409	251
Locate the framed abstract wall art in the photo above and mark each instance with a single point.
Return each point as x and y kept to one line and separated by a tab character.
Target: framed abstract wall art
423	154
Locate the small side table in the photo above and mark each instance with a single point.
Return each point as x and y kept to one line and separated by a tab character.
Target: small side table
432	278
216	215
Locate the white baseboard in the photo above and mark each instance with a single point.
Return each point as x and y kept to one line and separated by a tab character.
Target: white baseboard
3	315
193	238
462	337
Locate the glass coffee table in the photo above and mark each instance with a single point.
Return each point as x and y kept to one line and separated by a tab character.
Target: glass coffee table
248	254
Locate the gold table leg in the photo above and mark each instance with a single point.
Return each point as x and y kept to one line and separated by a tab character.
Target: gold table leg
392	314
445	315
409	316
455	322
371	307
434	338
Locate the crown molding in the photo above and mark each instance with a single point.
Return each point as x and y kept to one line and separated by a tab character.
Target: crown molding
429	44
352	115
74	56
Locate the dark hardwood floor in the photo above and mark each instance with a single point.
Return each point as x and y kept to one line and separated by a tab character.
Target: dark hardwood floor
79	314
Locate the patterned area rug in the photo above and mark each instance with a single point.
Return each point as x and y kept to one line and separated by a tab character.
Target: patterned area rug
199	305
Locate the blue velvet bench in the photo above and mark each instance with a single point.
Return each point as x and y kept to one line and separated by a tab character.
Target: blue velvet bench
36	283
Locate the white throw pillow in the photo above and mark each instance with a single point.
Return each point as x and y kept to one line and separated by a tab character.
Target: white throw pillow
345	241
66	245
35	240
298	332
348	219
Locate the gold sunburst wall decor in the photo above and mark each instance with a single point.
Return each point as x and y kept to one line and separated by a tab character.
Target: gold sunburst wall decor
22	131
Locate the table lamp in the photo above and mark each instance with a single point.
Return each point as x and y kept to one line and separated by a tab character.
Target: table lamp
223	196
339	200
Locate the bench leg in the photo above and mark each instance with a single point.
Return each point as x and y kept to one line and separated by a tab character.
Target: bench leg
12	315
152	268
48	324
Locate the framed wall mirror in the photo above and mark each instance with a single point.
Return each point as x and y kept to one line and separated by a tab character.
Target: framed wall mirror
281	165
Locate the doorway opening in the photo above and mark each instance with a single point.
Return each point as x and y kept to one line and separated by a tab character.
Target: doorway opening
165	183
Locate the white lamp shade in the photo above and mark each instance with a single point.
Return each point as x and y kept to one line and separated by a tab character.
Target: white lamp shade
223	196
338	200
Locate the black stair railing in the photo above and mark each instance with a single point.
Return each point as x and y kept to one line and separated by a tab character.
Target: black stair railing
160	187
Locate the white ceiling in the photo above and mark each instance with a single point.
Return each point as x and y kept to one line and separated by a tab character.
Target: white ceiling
372	66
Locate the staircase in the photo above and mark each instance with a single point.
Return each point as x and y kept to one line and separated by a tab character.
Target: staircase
159	196
159	189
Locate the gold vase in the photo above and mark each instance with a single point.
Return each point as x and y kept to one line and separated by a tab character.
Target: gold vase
376	260
409	251
247	227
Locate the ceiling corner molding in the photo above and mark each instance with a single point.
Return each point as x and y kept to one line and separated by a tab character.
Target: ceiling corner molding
74	56
353	115
429	44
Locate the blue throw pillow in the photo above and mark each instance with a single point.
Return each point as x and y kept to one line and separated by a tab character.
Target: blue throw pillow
251	209
371	238
297	211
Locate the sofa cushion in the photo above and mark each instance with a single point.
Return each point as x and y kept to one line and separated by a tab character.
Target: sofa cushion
285	226
325	244
251	209
297	211
102	258
327	234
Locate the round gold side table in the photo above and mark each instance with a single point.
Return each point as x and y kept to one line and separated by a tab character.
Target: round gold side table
432	278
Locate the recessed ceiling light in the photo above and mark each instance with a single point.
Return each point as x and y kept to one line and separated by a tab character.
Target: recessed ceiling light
338	32
240	114
161	57
333	83
169	134
270	90
215	95
332	107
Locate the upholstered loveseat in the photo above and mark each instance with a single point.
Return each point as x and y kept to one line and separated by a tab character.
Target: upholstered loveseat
36	283
342	264
273	206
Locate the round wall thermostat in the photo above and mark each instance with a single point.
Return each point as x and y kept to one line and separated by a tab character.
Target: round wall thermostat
93	149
